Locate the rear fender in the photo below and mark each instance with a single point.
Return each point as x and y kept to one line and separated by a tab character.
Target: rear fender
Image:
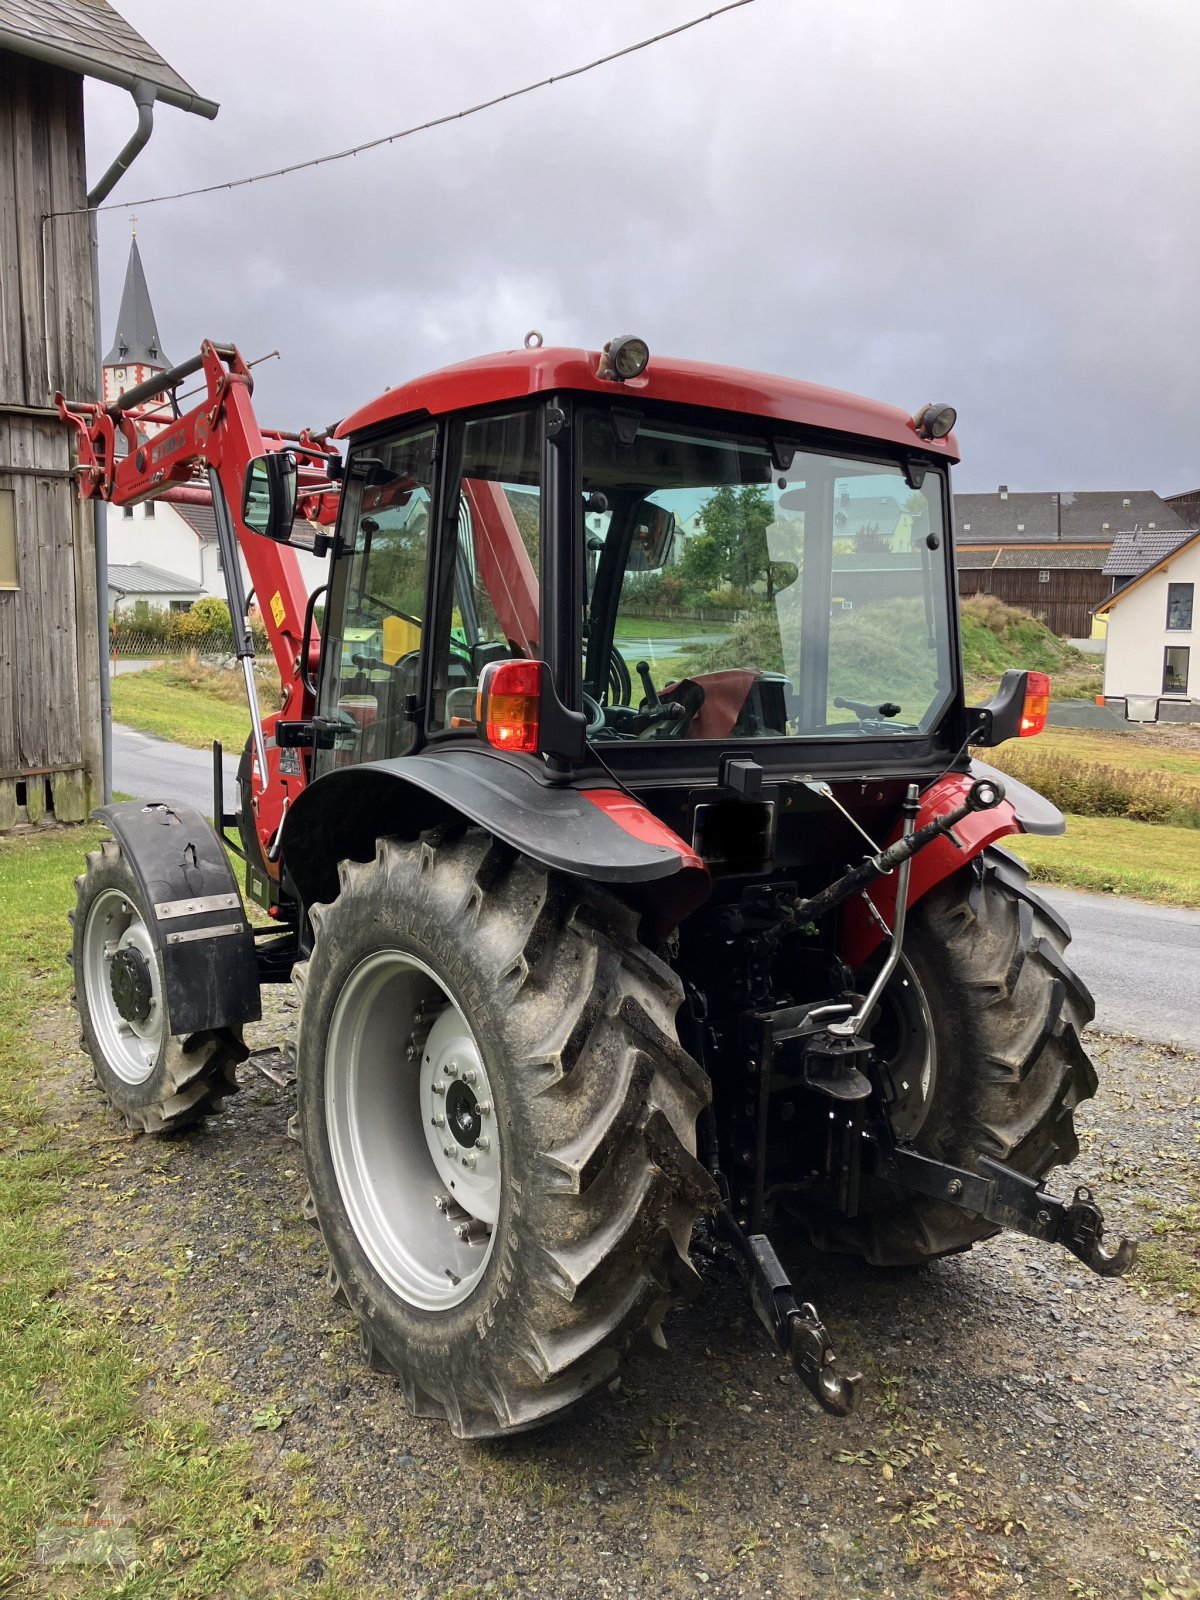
1022	810
193	912
587	831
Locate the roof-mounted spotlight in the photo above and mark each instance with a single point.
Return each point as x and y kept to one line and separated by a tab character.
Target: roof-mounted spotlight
624	358
934	421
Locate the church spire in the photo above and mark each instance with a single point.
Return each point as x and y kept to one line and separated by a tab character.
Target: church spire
137	342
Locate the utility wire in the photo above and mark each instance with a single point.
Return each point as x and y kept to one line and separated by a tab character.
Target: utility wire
422	127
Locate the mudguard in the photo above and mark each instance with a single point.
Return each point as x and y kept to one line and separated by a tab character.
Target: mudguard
585	830
193	912
1022	810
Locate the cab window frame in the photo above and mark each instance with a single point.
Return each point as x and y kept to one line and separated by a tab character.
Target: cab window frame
444	565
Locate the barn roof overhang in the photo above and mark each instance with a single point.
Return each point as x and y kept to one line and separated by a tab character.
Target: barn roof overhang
89	37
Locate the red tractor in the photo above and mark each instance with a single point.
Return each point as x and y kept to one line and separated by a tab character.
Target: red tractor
620	833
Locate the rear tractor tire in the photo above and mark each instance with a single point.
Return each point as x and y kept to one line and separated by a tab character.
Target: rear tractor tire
158	1082
980	1033
499	1127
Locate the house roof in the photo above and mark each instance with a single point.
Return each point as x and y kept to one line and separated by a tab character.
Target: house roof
136	342
197	513
1003	557
1134	553
89	37
1107	605
1034	518
139	577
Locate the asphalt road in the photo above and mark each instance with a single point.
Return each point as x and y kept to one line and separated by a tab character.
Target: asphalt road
146	768
1142	963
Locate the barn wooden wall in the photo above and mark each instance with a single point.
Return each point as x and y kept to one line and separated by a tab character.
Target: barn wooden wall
1064	604
49	677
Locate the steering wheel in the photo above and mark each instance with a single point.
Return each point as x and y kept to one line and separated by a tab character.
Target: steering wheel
595	713
665	719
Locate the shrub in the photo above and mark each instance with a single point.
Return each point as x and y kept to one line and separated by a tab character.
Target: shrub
1090	789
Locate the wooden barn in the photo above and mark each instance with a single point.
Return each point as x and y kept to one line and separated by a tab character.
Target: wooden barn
53	628
1046	552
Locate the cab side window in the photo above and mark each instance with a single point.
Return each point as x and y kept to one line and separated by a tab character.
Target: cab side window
371	681
489	590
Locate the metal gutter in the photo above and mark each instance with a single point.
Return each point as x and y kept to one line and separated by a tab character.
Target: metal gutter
144	95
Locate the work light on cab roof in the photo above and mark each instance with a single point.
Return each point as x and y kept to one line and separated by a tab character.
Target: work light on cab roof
623	358
934	421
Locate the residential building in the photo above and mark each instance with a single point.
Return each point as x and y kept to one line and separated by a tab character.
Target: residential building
1152	660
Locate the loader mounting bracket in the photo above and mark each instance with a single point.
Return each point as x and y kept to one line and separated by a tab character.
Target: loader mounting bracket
1011	1200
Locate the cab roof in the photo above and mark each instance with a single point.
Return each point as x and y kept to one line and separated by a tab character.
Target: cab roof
518	374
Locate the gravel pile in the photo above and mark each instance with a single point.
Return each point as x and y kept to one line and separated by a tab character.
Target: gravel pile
1028	1428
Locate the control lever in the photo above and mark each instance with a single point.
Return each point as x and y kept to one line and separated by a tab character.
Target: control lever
643	671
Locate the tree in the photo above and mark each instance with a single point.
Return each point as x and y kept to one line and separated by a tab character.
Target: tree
737	519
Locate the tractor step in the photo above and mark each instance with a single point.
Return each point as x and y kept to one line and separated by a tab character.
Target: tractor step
1013	1201
794	1325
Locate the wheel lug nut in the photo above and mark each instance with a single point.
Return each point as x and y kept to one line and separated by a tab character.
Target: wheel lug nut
438	1120
482	1144
468	1077
468	1160
438	1088
484	1108
451	1069
448	1151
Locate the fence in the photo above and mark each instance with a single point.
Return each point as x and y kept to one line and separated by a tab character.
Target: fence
135	643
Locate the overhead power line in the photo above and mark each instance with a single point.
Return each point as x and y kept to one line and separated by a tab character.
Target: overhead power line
435	122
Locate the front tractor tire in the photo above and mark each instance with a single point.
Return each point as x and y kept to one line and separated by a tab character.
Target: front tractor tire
159	1082
499	1127
980	1037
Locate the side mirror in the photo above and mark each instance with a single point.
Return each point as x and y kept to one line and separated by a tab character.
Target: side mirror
653	539
269	495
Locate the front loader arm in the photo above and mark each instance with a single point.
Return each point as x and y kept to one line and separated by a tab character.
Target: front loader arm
218	439
220	436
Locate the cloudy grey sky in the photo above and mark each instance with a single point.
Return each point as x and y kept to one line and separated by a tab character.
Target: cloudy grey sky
991	202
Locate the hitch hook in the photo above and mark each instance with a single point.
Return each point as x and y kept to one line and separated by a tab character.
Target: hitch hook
1081	1231
811	1352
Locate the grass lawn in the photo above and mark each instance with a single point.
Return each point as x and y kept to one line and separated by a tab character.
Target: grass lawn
1111	855
666	628
189	705
1132	751
78	1427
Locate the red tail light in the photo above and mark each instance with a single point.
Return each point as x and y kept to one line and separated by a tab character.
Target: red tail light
1037	704
508	707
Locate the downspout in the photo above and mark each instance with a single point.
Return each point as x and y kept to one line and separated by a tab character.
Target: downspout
143	98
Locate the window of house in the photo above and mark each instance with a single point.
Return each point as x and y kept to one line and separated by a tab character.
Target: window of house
1043	576
1179	606
181	605
127	512
149	509
1176	660
8	540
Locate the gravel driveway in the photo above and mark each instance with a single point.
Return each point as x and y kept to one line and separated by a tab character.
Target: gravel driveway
1029	1429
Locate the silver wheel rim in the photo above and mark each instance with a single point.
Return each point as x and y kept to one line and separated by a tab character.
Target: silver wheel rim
412	1131
131	1047
902	1029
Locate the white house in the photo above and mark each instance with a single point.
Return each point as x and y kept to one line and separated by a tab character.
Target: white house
1152	660
174	536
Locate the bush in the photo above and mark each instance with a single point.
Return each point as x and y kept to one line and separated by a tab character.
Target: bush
1089	789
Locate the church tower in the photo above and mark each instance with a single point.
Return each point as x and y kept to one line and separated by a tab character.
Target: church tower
137	351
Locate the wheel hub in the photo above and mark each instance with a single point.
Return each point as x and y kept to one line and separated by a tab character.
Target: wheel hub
462	1114
131	984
